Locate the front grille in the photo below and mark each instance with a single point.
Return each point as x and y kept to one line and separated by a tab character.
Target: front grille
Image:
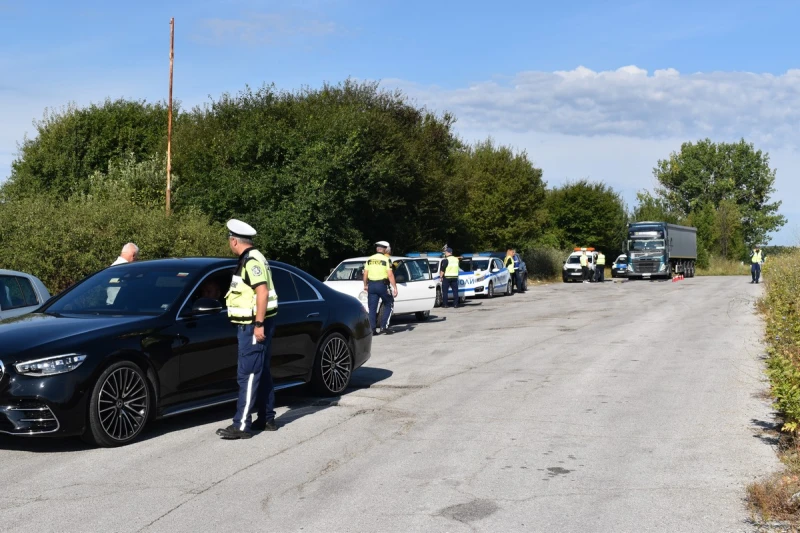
27	418
646	267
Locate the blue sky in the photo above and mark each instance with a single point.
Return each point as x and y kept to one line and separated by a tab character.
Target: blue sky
587	90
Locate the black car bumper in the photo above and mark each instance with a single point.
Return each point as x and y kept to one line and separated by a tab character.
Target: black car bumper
49	405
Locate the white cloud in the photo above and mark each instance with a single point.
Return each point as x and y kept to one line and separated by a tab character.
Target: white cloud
629	101
613	126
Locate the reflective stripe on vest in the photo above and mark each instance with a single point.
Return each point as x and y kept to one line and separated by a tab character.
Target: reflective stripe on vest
510	264
241	298
378	267
451	270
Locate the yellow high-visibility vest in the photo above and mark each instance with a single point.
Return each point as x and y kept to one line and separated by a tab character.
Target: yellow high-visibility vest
241	296
378	267
510	264
756	257
451	270
584	260
601	260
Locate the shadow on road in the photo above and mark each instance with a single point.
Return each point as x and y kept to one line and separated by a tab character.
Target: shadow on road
767	432
301	401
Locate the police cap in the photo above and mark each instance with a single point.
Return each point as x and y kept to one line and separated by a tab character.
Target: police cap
382	244
237	228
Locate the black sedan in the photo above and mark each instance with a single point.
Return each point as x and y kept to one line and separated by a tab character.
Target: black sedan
152	339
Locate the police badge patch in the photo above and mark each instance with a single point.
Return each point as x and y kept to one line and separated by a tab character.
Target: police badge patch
256	270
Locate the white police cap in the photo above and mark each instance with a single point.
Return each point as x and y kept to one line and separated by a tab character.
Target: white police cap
383	243
237	228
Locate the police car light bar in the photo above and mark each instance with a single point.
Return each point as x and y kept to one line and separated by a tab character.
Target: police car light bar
467	255
435	254
584	249
485	254
413	254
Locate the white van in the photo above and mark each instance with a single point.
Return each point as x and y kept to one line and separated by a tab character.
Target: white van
572	267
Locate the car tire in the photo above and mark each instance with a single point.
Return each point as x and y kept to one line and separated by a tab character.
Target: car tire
490	290
524	283
422	316
113	421
333	366
509	289
439	299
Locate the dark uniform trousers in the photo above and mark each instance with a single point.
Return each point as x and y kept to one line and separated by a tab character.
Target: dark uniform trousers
379	291
517	275
256	392
585	270
755	271
600	273
447	284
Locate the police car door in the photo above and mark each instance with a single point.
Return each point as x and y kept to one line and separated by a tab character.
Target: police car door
503	276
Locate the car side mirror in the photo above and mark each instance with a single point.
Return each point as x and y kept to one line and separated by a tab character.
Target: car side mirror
206	306
495	270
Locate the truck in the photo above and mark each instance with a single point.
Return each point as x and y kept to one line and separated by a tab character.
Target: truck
660	250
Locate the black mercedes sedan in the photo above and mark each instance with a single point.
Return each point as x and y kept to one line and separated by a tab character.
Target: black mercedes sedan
152	339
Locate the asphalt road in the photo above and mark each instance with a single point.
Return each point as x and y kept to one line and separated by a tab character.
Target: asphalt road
617	407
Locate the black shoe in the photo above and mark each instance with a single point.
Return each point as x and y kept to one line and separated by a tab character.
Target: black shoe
387	331
264	425
232	433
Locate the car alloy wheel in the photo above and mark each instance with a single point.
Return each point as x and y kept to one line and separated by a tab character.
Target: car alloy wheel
120	405
334	365
438	302
509	288
490	291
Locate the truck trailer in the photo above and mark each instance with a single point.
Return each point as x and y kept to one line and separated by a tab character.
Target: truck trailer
660	250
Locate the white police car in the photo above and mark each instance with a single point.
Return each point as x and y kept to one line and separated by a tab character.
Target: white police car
619	269
489	276
416	289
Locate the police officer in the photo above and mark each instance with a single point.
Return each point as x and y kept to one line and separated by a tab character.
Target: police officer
755	264
585	267
252	305
378	276
517	271
508	262
448	273
600	267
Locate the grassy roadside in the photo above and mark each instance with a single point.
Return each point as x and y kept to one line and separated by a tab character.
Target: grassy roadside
777	497
718	266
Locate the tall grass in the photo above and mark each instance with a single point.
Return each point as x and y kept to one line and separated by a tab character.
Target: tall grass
720	266
772	497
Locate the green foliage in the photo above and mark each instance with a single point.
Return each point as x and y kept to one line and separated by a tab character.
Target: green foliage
505	196
73	143
782	313
321	173
586	214
61	242
653	208
544	262
707	173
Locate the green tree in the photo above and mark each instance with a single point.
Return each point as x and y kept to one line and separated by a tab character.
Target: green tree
504	196
728	225
586	214
653	208
706	173
73	143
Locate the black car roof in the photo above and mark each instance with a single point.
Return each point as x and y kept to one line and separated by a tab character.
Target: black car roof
206	262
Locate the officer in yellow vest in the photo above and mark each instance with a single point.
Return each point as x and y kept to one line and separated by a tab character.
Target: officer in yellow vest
755	264
585	267
508	262
448	272
600	267
378	276
252	305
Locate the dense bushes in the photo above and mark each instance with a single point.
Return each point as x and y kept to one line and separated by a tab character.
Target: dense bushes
782	313
544	262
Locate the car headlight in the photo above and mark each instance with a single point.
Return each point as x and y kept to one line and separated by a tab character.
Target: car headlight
48	366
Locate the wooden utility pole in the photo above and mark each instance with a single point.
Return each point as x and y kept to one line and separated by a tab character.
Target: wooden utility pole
169	114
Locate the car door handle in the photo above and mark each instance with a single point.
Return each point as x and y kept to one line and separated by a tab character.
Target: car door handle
312	315
431	286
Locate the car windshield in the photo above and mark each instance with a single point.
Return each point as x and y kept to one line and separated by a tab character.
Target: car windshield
480	264
574	259
348	271
129	290
643	246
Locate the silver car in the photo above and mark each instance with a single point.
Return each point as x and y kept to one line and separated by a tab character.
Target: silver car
20	293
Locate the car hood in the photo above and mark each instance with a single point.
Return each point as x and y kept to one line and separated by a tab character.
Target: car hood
24	334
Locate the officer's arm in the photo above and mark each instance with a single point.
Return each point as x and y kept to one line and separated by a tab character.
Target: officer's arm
365	277
391	280
262	296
